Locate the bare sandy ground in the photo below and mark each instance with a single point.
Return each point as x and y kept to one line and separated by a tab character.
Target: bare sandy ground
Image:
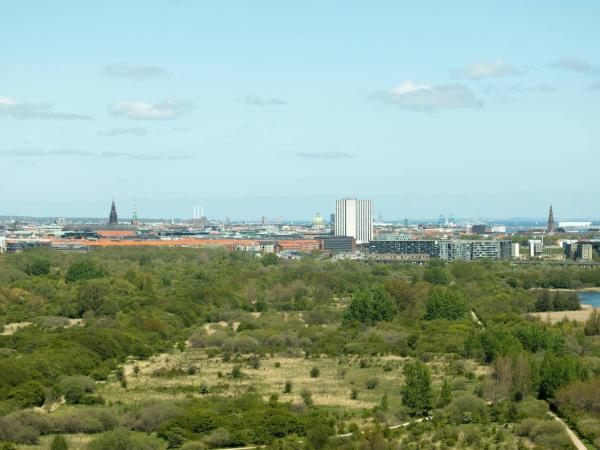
556	316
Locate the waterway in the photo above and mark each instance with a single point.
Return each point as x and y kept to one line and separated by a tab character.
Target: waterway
589	298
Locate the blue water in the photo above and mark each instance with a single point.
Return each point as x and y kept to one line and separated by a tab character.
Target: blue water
589	298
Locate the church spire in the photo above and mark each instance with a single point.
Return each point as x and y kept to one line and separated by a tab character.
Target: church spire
551	228
112	218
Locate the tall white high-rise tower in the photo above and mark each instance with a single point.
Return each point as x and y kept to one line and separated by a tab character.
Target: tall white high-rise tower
354	218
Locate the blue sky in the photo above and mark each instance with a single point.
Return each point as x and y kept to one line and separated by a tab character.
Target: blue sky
278	108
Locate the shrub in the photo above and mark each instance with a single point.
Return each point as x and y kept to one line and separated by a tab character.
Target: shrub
88	420
28	394
204	389
307	397
467	409
59	443
315	372
75	388
288	387
372	383
122	439
354	394
318	436
254	362
236	372
218	438
194	445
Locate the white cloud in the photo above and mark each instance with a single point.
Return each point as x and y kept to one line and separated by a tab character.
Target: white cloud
41	153
16	110
126	70
423	97
253	100
138	131
577	65
481	70
325	155
168	108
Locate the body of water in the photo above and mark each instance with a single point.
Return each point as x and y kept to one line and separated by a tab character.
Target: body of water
589	298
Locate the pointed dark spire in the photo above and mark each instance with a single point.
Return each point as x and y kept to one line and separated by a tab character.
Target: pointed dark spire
551	228
112	218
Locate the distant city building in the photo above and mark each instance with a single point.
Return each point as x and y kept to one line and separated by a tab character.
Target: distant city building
498	228
318	222
515	250
581	250
536	247
354	217
551	227
574	225
406	223
481	229
449	250
112	218
337	244
587	252
2	244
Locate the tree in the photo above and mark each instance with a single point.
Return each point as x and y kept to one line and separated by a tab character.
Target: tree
39	266
592	324
437	274
269	259
445	303
371	306
416	392
84	269
557	371
445	393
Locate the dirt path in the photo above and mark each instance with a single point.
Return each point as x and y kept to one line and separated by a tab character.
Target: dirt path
574	439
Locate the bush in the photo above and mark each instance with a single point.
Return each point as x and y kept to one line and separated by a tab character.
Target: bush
307	397
219	438
467	409
122	439
318	436
530	407
372	383
59	443
28	394
88	420
236	372
315	372
75	388
288	387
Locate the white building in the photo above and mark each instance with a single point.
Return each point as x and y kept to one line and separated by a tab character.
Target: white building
515	249
536	247
2	244
354	218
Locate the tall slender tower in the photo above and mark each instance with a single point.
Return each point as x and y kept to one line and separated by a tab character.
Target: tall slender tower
134	216
112	218
551	227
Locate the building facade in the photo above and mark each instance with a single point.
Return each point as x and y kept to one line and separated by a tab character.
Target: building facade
354	218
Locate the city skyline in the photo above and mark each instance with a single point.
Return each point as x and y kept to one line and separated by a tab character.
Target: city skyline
274	109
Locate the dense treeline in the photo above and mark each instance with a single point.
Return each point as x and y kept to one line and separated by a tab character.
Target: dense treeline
73	320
